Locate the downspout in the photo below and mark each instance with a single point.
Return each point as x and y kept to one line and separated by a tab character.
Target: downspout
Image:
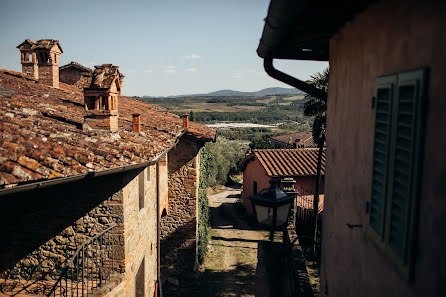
292	81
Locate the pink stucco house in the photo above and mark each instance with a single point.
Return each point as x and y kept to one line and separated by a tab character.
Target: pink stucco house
263	165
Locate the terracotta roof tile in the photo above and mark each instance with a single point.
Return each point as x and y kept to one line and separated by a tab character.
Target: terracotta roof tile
41	135
76	65
288	162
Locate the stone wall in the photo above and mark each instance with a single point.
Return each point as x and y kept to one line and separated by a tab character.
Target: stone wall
70	75
31	69
179	226
49	75
73	76
47	225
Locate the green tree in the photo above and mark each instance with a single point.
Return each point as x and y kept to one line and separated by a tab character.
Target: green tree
192	116
317	108
225	157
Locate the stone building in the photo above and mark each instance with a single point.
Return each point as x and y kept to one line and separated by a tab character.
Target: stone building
294	140
75	74
40	60
384	220
74	191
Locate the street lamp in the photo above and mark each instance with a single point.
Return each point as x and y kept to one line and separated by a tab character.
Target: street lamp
272	207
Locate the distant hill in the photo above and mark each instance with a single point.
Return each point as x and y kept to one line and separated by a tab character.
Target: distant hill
263	92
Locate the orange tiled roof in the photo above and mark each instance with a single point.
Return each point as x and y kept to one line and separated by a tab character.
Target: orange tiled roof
41	135
289	162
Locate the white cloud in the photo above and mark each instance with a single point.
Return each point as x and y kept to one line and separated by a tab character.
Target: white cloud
236	74
148	71
191	69
192	57
170	69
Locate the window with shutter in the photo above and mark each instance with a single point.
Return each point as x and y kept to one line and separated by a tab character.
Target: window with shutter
396	165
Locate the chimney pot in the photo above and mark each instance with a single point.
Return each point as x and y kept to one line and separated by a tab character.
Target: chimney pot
136	122
185	121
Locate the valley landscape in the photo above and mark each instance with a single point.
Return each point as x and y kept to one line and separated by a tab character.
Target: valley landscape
245	116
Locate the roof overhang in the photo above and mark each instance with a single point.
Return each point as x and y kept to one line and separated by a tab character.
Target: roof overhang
301	29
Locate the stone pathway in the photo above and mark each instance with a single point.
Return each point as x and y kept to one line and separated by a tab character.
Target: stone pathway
230	265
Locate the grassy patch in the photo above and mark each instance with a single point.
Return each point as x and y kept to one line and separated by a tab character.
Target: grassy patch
313	274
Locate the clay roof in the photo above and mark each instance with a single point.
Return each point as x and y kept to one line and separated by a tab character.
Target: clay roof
24	43
41	44
41	135
302	138
76	65
104	75
288	162
47	44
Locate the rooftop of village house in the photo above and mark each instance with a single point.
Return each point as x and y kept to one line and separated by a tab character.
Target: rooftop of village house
287	162
304	139
42	135
76	65
41	44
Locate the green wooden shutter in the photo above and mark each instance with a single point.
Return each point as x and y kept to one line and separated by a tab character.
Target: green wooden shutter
405	162
383	129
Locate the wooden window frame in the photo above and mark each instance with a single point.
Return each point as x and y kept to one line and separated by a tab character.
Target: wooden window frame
419	80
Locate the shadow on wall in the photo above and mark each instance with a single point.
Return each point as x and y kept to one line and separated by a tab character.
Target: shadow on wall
31	218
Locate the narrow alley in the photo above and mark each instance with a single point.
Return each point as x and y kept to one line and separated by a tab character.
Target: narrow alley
230	265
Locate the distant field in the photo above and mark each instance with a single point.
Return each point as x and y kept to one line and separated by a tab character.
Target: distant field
215	107
269	109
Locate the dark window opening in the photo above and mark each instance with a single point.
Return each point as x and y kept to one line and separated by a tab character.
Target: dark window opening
141	189
254	190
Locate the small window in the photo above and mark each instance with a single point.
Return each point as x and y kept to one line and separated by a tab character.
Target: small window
254	188
141	189
396	174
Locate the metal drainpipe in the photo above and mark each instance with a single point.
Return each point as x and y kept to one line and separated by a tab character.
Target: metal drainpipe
292	81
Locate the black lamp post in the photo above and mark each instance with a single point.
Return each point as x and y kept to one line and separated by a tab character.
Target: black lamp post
272	207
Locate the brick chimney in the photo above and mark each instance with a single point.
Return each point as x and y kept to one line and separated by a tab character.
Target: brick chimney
185	121
28	58
48	53
136	122
101	99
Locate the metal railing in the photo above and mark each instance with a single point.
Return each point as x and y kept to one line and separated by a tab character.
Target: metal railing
93	263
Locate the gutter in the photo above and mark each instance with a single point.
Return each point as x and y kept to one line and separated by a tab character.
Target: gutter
292	81
85	176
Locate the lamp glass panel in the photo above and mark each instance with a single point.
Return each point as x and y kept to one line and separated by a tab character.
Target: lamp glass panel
282	214
264	214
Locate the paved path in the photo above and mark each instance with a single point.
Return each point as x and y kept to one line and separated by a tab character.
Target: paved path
230	265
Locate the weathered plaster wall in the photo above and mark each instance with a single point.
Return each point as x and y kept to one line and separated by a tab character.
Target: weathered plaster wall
179	226
253	172
140	232
390	37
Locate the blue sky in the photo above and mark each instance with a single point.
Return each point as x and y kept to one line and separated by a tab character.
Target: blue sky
167	47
